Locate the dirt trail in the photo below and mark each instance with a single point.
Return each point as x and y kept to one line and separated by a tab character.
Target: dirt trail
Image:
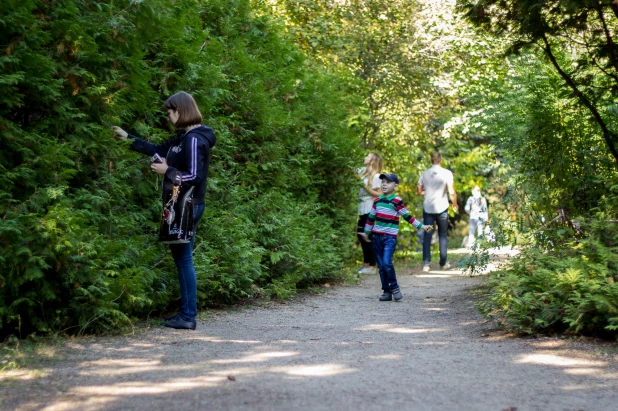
342	350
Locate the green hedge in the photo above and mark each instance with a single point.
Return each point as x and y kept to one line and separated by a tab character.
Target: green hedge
78	211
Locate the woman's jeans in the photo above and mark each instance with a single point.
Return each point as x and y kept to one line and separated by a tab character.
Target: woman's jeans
369	256
442	220
183	257
384	246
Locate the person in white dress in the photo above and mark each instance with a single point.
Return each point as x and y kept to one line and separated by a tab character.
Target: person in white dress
476	207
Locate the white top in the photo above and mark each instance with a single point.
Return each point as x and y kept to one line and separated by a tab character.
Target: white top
435	180
365	200
477	208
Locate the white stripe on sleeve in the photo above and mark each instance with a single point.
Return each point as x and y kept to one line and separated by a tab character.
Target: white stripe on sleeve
193	166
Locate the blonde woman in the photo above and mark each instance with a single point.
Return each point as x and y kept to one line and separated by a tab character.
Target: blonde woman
370	175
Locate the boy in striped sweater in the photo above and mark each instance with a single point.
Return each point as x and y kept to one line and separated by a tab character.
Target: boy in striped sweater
383	225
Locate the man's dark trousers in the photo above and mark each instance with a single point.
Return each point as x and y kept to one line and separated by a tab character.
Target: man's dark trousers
442	220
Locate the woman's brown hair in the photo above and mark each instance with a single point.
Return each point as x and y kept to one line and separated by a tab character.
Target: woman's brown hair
188	113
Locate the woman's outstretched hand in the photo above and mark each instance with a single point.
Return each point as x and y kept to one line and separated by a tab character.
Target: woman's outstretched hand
159	168
120	133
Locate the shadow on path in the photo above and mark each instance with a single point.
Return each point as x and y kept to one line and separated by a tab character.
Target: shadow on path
342	350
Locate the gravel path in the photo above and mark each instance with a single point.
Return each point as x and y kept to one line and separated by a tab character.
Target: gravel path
341	350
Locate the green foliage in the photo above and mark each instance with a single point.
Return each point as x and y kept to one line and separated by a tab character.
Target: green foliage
544	99
552	156
383	62
79	212
568	288
409	61
583	30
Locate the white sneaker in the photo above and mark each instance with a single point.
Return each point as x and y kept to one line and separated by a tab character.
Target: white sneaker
445	266
426	268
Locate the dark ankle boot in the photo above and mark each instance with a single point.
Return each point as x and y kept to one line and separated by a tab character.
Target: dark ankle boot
180	324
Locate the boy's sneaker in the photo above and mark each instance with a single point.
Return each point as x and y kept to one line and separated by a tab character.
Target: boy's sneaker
445	266
426	268
397	294
367	270
386	296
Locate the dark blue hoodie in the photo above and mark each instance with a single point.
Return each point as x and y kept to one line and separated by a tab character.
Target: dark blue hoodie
187	155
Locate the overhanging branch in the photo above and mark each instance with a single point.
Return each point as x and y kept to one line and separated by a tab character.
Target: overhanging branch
608	135
610	41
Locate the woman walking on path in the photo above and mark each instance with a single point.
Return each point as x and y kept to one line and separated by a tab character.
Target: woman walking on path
185	159
476	207
370	175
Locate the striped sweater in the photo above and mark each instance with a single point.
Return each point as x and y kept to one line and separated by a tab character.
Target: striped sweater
384	216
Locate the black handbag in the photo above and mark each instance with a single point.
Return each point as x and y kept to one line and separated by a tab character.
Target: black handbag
177	216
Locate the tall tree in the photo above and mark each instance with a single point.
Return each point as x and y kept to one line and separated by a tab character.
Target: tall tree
585	30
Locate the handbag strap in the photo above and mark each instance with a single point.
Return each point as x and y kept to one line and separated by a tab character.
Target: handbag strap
174	196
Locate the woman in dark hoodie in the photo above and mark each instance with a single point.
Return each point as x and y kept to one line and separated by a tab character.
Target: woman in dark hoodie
185	159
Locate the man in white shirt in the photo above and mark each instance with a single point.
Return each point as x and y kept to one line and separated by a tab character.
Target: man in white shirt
436	184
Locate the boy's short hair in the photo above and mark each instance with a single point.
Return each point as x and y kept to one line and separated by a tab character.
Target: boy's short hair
188	112
436	157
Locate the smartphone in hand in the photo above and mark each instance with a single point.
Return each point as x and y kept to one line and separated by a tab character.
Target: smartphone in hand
156	159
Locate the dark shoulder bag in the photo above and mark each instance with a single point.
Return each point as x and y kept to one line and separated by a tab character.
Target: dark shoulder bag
177	218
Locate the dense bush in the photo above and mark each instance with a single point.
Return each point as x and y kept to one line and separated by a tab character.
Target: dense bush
564	280
546	114
79	211
570	287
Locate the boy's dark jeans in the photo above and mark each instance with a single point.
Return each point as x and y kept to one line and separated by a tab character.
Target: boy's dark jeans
442	220
384	246
183	257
